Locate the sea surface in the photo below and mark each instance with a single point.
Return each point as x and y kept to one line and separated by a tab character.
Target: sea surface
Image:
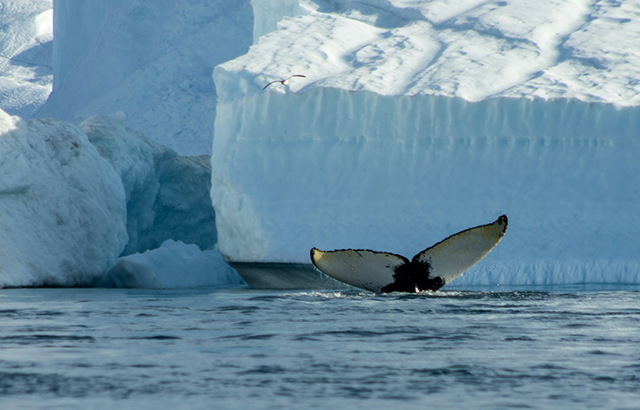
561	348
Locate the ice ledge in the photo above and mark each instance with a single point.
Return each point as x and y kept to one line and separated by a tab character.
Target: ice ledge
474	50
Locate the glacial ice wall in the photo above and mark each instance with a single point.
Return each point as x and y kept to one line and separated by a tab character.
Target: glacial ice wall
417	120
151	60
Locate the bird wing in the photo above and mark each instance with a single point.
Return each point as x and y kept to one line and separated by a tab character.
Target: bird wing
298	75
276	81
363	268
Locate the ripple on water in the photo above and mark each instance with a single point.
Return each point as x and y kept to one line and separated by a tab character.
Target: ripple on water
324	349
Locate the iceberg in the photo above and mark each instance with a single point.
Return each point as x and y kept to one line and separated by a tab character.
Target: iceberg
420	119
62	206
151	60
73	199
173	265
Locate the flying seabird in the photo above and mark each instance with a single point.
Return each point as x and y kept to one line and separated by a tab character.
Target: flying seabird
285	81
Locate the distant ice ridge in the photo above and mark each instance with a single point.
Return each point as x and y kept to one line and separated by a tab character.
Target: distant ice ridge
416	121
173	265
26	44
151	60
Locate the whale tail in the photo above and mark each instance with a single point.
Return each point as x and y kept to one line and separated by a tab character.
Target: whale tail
430	269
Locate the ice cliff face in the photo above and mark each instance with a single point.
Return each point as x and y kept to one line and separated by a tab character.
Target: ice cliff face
62	206
151	60
420	119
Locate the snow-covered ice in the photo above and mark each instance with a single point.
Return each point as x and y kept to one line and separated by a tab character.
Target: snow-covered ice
26	46
418	119
473	49
172	265
151	60
62	206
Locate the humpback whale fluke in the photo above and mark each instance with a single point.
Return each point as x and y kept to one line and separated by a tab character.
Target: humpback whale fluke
430	269
285	81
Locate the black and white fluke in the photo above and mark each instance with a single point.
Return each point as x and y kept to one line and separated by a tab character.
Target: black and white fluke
430	269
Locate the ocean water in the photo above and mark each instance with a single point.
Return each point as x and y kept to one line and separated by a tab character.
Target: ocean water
558	348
